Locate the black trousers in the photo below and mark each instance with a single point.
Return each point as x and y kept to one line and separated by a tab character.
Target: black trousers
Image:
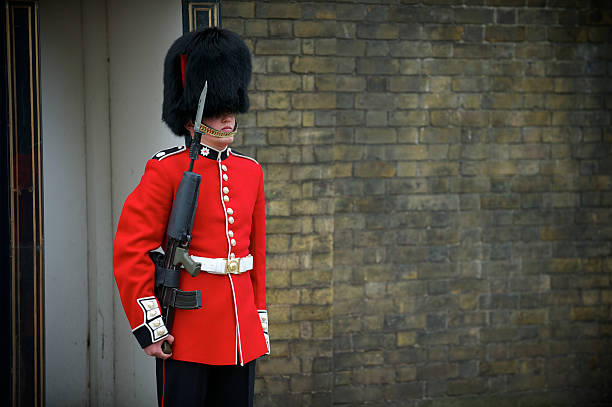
189	384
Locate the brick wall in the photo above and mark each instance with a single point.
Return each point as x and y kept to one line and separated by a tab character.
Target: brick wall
439	184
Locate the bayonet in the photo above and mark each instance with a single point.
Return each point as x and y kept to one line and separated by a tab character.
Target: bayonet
194	148
201	104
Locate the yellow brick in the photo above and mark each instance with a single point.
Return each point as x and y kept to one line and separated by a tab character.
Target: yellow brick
308	83
310	277
278	47
316	296
438	169
567	265
468	301
310	312
278	366
277	278
498	367
279	313
280	349
278	82
374	169
324	13
408	152
406	338
437	33
302	243
345	83
277	243
439	100
406	169
592	265
278	100
278	208
278	119
256	28
408	101
238	9
279	296
324	83
278	10
530	317
322	329
583	313
501	168
308	119
314	101
314	28
257	101
314	64
343	170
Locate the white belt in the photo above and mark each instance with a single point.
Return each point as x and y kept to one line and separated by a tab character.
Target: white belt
224	266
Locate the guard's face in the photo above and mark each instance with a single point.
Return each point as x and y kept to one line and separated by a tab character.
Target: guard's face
225	122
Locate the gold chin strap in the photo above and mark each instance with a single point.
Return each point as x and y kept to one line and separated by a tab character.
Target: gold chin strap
216	133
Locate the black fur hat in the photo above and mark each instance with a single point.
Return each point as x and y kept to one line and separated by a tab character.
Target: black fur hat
215	55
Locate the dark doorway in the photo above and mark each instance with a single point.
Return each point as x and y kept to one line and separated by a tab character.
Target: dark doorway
21	157
201	14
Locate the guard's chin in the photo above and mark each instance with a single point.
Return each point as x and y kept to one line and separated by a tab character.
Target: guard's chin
227	140
218	143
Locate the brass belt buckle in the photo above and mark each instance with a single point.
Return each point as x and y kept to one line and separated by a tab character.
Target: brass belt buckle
232	266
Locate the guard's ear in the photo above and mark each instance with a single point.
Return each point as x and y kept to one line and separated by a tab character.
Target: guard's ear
189	126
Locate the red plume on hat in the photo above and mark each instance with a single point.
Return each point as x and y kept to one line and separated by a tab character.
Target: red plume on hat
215	55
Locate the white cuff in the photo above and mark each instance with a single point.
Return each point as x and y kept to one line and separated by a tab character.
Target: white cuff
263	317
152	319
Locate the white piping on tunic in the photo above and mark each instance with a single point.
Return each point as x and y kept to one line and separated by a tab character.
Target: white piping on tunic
238	351
239	343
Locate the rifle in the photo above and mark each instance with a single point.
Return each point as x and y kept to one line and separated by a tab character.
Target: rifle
176	254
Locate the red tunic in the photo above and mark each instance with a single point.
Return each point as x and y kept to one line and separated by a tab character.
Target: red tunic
229	220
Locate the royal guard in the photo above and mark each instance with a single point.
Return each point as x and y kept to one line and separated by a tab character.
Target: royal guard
207	333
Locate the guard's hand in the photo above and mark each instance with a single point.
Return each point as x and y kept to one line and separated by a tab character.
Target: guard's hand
155	349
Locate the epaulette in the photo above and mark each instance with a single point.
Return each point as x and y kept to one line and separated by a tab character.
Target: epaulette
160	155
239	154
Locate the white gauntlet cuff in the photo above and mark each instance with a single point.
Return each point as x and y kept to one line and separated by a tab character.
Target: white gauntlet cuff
152	328
263	317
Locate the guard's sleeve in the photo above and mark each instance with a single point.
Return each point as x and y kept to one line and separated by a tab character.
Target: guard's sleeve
142	227
258	249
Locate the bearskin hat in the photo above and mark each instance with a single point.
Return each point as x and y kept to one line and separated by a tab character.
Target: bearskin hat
212	55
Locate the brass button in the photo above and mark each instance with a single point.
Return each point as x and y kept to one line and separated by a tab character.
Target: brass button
230	211
225	190
230	233
225	177
230	220
233	242
232	256
226	198
223	167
